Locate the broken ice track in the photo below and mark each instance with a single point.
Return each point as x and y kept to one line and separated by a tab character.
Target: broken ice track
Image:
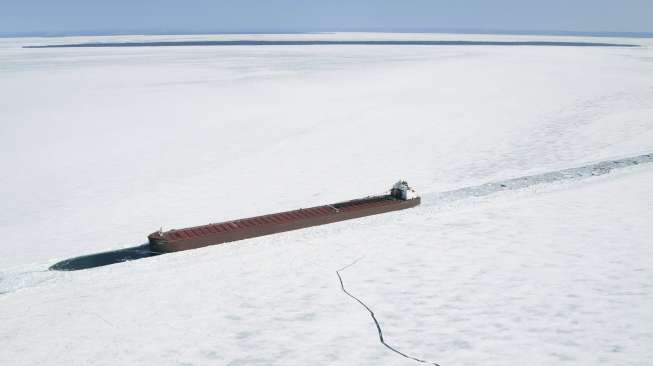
582	172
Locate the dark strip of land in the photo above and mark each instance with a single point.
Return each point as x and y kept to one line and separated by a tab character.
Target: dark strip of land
327	43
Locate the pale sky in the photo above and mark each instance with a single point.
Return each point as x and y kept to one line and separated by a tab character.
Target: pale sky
190	16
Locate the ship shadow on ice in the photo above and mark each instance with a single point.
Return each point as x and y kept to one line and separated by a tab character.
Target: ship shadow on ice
105	258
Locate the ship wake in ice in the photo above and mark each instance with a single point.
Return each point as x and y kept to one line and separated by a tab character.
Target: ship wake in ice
585	171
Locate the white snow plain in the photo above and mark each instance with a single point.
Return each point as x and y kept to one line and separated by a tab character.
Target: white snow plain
102	146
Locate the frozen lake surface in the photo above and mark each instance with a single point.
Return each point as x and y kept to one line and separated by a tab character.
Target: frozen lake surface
102	146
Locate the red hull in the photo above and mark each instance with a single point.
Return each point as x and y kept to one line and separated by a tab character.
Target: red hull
201	236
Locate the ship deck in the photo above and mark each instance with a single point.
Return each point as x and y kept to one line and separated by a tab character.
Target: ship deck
215	233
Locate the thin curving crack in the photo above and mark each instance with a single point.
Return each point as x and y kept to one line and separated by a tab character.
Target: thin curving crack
376	322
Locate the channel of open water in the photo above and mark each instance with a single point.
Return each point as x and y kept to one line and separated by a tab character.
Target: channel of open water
582	172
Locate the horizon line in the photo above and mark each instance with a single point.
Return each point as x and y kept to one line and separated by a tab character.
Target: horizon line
329	42
82	33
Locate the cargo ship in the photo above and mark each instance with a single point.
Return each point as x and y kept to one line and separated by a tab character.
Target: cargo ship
400	197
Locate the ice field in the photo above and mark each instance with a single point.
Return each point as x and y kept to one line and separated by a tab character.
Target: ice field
102	146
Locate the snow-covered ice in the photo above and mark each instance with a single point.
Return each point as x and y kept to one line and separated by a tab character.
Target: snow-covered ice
102	146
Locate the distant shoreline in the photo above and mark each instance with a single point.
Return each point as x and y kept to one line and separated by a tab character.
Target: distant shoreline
329	43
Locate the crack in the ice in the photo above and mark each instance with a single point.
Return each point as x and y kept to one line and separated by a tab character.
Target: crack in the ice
21	280
100	317
376	322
